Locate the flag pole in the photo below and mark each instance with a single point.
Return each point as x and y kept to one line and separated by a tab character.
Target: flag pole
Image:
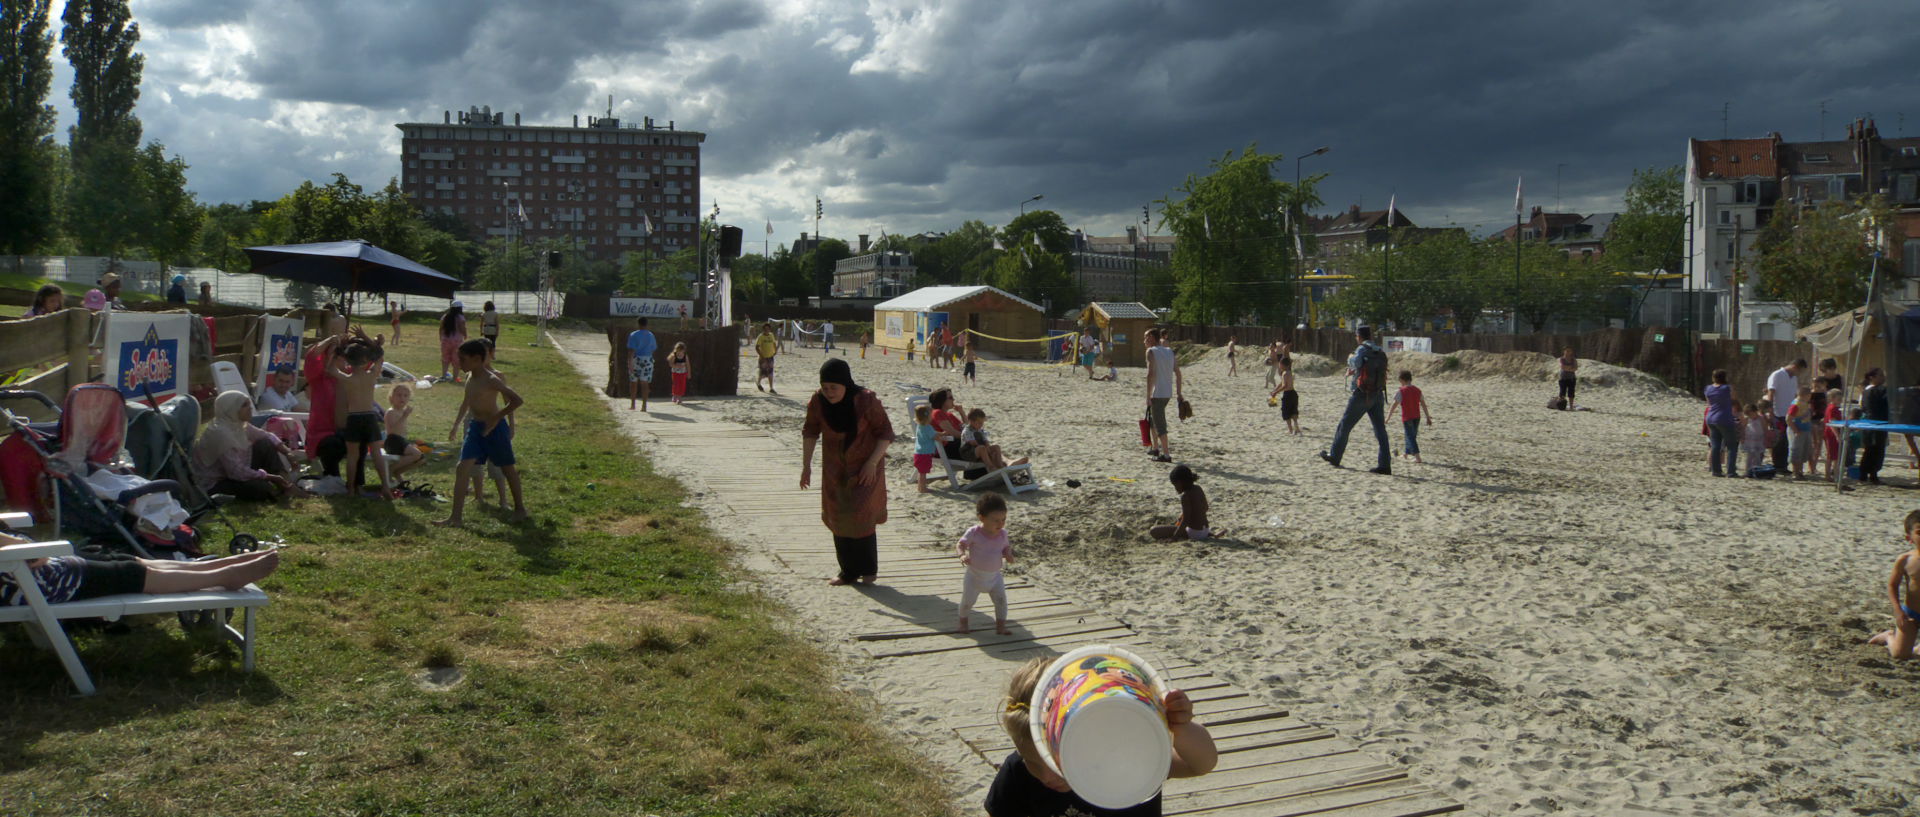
1518	187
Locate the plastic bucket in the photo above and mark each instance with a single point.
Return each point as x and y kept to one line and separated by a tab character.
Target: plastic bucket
1098	721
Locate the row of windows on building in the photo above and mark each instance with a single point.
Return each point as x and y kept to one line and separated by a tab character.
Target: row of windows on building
553	136
544	195
560	168
546	153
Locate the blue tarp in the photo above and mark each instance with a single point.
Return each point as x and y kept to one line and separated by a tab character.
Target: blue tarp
351	266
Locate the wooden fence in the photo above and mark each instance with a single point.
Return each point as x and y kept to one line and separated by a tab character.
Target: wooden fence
715	354
61	344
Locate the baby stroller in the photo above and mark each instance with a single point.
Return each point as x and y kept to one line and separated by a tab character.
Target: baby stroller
95	497
159	435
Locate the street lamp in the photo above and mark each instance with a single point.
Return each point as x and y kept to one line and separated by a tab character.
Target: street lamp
1300	260
1023	205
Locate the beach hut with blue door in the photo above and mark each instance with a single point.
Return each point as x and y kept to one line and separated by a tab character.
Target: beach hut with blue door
989	311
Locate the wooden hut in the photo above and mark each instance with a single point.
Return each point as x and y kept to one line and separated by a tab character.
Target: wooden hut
1122	329
983	309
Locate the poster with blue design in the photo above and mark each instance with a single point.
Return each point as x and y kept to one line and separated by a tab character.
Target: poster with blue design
279	348
146	354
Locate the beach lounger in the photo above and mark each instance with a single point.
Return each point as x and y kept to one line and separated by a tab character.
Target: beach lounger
955	469
43	619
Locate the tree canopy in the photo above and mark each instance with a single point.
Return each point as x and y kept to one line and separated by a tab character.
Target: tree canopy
1235	257
1819	260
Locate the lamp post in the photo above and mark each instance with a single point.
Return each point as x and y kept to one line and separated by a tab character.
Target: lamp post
1300	260
1023	205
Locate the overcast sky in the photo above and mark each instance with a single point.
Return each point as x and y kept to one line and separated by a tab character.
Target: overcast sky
909	116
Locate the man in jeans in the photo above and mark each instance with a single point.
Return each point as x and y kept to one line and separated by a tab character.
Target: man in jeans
1783	386
1164	384
1366	377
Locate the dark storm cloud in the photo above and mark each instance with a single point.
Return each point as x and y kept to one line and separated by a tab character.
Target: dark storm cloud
932	113
190	13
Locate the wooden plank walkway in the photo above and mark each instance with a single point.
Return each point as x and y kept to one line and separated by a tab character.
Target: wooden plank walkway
1271	764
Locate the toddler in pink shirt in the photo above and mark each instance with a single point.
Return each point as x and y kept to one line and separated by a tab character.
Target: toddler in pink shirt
985	549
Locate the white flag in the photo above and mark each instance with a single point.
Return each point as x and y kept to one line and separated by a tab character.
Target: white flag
1519	186
997	245
1207	222
1390	201
769	227
1036	241
646	224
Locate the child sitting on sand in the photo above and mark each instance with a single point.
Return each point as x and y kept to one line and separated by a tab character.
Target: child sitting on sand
1899	641
1800	432
985	549
924	440
1192	524
1025	784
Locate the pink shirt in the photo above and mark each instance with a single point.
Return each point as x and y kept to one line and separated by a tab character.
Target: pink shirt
989	551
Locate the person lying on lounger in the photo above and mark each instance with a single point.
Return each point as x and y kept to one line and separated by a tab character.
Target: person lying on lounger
73	578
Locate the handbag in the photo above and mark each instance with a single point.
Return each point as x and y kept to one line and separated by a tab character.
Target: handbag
1186	409
1146	432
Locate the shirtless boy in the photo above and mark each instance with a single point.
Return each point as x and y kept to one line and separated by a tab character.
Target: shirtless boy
360	427
1899	641
489	434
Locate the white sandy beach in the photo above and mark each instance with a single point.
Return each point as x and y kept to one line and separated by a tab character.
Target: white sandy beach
1559	612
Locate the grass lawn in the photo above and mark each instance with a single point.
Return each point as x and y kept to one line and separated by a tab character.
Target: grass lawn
609	663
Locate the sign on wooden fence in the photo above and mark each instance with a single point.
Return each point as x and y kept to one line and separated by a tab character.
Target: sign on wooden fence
279	346
648	308
1410	344
146	354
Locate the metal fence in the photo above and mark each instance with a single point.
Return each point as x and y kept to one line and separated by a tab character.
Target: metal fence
257	291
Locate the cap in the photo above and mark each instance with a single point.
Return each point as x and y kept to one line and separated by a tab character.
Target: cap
109	278
179	279
458	305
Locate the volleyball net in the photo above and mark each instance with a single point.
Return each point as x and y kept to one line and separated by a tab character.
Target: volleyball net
1058	349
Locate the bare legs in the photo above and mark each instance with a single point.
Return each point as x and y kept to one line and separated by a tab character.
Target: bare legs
1900	640
230	573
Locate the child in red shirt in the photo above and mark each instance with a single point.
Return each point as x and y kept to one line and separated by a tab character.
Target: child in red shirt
1412	403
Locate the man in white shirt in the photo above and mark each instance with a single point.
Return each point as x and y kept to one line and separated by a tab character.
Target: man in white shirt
1087	342
1164	384
279	394
826	332
1783	386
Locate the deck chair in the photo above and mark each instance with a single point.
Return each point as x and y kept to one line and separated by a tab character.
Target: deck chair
43	619
955	469
1016	479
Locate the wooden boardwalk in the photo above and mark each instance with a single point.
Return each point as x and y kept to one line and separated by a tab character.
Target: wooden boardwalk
1271	764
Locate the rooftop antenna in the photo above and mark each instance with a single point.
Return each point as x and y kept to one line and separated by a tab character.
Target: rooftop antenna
1557	205
1724	108
1823	119
609	106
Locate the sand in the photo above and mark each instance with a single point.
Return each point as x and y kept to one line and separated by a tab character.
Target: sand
1558	612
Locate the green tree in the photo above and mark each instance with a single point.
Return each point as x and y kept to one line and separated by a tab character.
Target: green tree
1819	260
1555	286
169	217
1413	281
506	264
105	203
1234	258
26	126
818	264
1651	233
787	277
224	229
1034	263
750	278
960	257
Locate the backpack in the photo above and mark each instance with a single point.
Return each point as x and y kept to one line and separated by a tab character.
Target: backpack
1371	374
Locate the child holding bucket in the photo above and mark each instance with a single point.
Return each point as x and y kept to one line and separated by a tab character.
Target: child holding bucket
985	549
1028	783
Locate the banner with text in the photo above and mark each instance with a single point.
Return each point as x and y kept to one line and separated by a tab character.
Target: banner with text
146	354
1410	345
279	346
649	308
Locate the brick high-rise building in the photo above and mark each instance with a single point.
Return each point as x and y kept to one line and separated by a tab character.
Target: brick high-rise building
600	184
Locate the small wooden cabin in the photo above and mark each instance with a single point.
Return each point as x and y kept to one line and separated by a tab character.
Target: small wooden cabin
983	309
1122	329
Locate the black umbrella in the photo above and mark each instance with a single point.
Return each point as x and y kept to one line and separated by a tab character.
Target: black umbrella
351	266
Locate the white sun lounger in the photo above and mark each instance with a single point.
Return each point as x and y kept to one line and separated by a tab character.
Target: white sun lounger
957	469
43	619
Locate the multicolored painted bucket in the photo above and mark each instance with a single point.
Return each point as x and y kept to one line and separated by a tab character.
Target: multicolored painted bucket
1099	721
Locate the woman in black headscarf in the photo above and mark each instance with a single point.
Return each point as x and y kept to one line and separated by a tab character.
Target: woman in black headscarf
853	490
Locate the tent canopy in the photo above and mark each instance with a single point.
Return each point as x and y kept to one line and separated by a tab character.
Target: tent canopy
351	266
1886	335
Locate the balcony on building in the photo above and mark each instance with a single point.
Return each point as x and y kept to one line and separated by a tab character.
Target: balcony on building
507	172
437	155
635	175
679	162
570	159
631	232
443	185
679	219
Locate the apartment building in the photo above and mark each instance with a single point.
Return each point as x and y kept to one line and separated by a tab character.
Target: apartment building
610	187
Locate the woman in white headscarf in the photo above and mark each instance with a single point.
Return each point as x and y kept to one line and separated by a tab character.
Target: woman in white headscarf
233	457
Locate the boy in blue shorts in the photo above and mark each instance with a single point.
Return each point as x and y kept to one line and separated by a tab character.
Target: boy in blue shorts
489	432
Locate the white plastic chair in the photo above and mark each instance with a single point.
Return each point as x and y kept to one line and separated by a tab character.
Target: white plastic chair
226	377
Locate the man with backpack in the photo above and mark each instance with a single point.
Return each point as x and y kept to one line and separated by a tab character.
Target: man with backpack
1367	379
